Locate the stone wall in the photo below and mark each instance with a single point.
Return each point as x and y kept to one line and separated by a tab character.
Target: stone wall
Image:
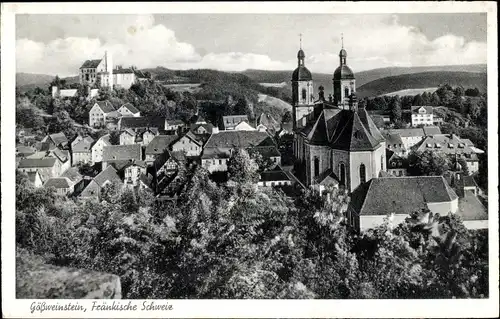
37	280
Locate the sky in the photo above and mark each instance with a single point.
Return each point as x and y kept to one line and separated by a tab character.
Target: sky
59	44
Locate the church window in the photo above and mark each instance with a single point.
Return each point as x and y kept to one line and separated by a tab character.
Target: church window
304	94
316	167
382	162
346	91
362	173
342	173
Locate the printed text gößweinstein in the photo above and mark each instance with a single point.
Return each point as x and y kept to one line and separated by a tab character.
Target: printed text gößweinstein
100	306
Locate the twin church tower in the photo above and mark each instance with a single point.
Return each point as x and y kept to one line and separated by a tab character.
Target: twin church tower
333	139
344	87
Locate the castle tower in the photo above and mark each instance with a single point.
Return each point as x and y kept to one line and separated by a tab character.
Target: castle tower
302	91
344	83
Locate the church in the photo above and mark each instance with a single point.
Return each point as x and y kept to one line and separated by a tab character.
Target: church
334	140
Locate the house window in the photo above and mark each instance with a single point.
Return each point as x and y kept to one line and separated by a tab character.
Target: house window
362	173
342	173
220	162
316	167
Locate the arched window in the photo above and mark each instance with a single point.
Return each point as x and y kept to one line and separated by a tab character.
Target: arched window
362	173
316	167
346	91
304	94
342	173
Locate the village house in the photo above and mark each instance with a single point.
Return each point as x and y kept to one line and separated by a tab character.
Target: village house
173	125
191	144
98	148
398	197
35	179
138	136
128	109
230	122
57	139
124	77
219	147
422	115
396	165
452	146
164	170
94	187
121	155
64	93
81	149
133	171
63	185
101	113
47	167
202	128
97	72
274	177
266	122
158	146
127	137
410	136
141	122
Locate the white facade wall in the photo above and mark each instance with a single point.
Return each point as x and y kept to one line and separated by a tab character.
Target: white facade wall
422	118
215	165
82	157
97	150
132	174
444	208
147	137
274	183
371	221
124	80
187	145
476	224
127	139
97	117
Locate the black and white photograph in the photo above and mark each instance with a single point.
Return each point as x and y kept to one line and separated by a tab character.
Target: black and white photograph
281	151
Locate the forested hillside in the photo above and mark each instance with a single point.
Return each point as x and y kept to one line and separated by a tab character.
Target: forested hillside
422	80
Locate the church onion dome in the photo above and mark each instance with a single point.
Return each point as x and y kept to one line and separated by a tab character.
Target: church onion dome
343	72
343	53
301	54
301	74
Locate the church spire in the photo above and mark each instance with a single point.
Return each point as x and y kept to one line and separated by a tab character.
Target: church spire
300	55
343	52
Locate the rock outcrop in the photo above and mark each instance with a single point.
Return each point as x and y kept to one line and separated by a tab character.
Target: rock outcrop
36	280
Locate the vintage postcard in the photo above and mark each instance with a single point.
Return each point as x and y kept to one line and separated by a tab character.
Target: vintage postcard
249	160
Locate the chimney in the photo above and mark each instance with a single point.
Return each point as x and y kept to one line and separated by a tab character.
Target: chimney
215	130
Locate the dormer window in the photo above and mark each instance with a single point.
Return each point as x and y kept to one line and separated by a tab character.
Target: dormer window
429	145
438	145
450	145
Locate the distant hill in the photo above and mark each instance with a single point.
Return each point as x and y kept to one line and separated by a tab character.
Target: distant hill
28	81
363	77
422	80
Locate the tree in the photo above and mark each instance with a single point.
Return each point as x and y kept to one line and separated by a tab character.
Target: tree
114	138
395	108
242	168
427	163
418	100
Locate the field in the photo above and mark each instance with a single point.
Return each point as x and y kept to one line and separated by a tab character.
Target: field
412	91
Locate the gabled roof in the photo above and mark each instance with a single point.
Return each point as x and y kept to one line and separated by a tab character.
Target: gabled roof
471	208
236	139
84	145
32	176
63	156
123	71
37	162
400	195
197	140
58	182
122	153
91	64
105	106
174	122
25	150
73	174
208	127
59	138
109	174
105	139
274	174
445	143
230	121
431	130
268	121
160	143
142	122
416	108
130	107
266	151
406	132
